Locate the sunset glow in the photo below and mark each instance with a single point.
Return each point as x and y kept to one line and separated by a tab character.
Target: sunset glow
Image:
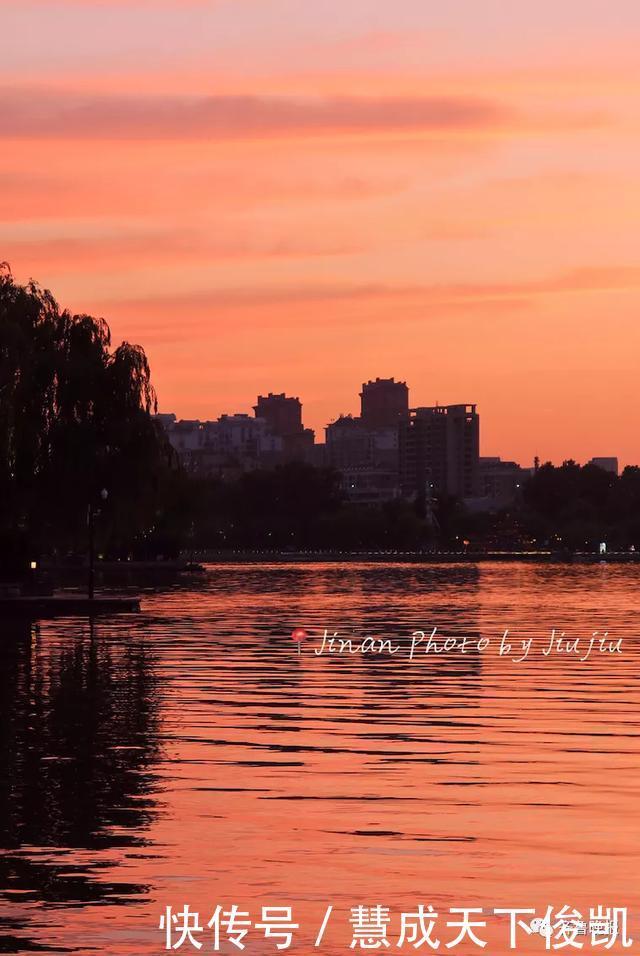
276	195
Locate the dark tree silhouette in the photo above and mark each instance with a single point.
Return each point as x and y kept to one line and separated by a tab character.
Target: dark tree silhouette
582	505
75	416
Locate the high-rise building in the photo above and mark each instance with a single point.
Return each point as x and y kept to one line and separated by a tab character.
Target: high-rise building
440	451
282	413
348	443
384	402
367	459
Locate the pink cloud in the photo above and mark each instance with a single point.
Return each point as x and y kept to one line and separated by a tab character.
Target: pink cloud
39	113
587	279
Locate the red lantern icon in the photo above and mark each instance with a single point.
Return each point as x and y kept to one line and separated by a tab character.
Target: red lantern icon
299	635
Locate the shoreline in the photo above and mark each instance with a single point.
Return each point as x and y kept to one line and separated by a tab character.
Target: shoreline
415	557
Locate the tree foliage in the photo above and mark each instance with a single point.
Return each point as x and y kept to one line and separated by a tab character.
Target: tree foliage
75	417
579	506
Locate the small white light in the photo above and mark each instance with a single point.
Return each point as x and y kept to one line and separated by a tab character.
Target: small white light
33	565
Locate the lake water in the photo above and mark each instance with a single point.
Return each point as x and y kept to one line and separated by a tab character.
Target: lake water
189	754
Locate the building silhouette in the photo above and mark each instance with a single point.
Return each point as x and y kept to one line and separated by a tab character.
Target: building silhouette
364	449
227	446
282	413
366	457
607	464
283	416
383	402
440	451
388	451
501	482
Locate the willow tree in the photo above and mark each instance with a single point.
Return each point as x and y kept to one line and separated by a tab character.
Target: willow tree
75	417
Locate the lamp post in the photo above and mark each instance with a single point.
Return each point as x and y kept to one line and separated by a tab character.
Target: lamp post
91	513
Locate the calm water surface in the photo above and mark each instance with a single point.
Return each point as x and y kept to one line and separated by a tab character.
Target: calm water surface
190	755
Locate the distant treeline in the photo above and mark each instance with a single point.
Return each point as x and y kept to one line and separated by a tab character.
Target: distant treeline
77	438
297	506
581	506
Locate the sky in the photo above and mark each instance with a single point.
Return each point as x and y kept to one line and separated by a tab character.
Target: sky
279	195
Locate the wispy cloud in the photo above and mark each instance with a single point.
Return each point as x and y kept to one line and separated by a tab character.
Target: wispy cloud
587	279
39	113
71	254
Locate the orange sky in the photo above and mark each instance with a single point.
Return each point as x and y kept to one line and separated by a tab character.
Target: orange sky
273	195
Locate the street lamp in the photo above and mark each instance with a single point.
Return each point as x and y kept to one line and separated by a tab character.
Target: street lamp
91	512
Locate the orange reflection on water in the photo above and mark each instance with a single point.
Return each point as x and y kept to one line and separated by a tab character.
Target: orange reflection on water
189	755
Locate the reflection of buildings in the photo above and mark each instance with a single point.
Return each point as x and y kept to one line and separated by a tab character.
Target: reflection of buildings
440	451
